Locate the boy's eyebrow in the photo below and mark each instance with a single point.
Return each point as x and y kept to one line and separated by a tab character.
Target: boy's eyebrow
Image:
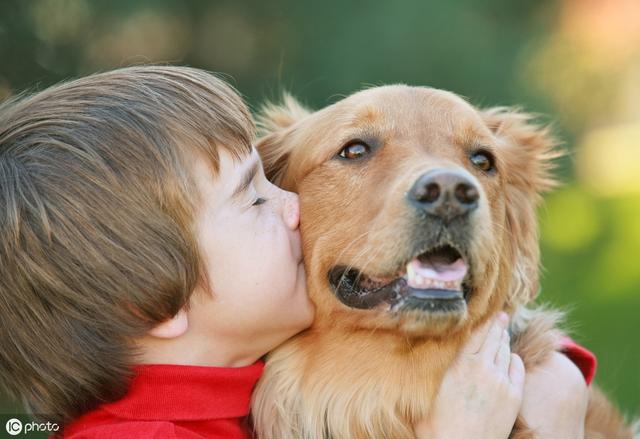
247	178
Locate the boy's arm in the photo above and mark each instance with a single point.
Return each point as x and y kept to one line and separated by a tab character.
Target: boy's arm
583	358
556	393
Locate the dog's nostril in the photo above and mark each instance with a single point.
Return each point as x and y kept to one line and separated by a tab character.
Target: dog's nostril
432	193
466	194
427	193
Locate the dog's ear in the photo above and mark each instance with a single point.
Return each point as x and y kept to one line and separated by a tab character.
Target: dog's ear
274	122
526	156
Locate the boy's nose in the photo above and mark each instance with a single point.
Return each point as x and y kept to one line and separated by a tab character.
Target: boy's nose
291	212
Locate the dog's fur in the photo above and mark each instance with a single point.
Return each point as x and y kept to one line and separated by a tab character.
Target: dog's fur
373	373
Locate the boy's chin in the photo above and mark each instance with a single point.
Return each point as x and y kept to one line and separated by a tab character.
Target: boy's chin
301	310
303	317
297	320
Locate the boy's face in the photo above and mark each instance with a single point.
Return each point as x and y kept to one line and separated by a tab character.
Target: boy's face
247	230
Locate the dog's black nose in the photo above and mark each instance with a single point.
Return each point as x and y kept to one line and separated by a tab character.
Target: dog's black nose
444	193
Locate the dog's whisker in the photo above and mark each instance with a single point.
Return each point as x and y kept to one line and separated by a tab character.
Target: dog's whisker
348	247
363	267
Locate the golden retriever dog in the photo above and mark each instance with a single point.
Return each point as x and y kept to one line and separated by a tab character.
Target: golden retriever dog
418	220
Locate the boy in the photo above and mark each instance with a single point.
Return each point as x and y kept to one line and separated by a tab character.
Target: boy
147	264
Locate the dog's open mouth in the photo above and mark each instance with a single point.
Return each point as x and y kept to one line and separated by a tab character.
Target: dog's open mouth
436	279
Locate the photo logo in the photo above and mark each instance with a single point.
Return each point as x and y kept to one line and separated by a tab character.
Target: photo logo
14	426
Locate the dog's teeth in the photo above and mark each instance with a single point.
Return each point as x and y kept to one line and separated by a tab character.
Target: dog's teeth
416	280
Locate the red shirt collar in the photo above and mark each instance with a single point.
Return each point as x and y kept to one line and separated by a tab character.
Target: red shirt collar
187	393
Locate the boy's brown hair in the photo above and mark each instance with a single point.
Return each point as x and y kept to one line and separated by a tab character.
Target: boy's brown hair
96	224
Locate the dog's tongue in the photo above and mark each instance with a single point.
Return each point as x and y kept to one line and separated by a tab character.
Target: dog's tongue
436	273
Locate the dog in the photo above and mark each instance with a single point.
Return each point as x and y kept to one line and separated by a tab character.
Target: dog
418	221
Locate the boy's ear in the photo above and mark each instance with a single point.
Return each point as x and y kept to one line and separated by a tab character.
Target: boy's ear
275	123
172	328
526	158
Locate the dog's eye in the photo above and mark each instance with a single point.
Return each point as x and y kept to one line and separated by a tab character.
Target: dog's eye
483	160
355	150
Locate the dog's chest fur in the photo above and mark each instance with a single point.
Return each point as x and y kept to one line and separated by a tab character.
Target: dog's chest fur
327	386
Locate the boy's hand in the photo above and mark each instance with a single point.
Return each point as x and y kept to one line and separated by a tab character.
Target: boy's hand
481	393
555	399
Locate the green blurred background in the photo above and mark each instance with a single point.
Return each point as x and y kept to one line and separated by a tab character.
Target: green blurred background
575	61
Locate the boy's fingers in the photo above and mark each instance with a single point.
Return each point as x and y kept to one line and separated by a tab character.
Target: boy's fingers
478	337
492	342
516	372
503	356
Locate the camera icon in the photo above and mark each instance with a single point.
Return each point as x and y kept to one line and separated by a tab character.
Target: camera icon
14	427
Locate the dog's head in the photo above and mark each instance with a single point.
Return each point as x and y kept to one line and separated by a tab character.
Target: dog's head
418	210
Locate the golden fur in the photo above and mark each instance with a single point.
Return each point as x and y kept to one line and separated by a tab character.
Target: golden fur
372	373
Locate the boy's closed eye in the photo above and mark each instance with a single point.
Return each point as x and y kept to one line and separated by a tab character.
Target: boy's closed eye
254	171
247	178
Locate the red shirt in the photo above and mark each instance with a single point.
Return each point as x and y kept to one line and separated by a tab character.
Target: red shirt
167	401
170	401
